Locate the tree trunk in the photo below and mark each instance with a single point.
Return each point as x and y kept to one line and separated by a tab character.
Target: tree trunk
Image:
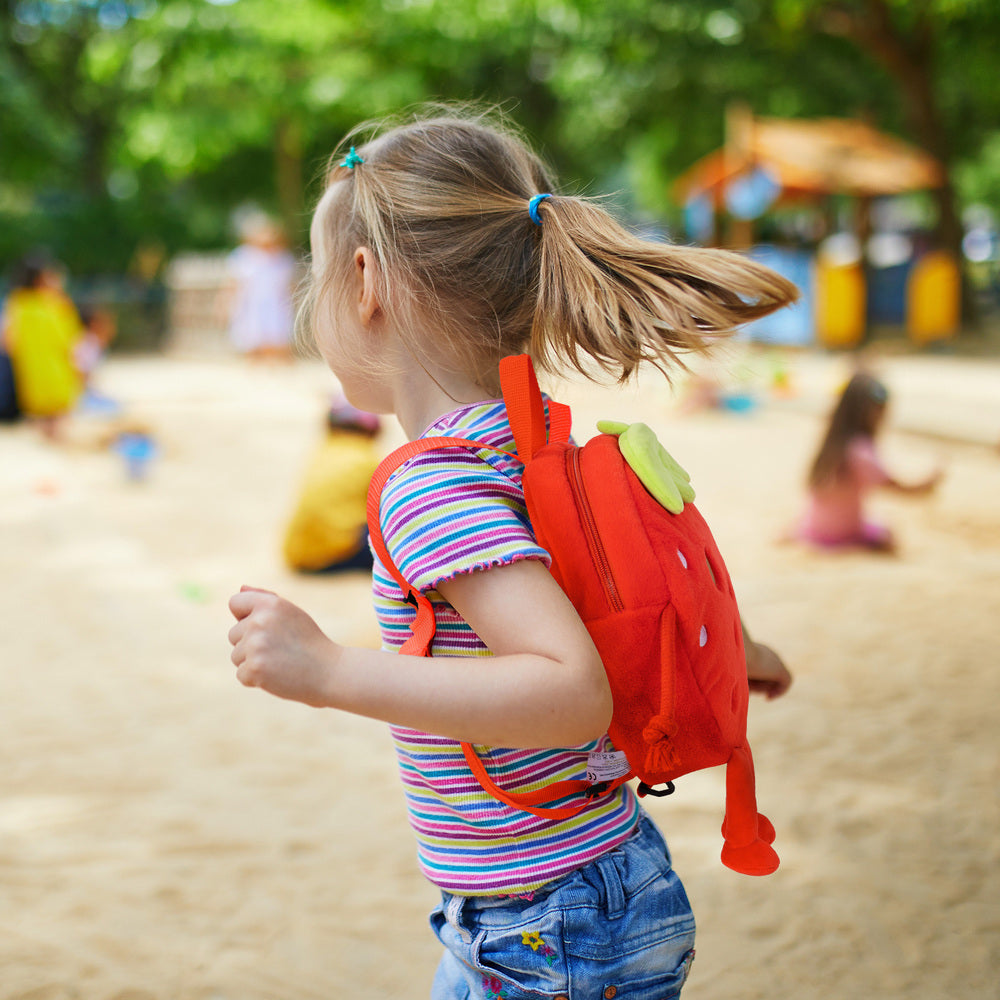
909	59
94	135
288	177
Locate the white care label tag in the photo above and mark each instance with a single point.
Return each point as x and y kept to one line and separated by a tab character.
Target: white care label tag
606	766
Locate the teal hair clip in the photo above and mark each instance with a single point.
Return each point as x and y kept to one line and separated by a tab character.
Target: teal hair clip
351	160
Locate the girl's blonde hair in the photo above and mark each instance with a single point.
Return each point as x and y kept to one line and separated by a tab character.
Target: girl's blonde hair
442	202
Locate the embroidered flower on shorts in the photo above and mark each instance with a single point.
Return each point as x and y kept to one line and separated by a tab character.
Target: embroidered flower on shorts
534	941
494	988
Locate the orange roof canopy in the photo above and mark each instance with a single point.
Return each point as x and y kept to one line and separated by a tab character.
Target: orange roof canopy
817	157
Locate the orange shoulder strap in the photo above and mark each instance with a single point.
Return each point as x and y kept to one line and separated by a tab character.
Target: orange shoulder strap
423	625
526	409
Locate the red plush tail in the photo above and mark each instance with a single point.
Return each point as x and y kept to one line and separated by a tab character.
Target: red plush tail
748	834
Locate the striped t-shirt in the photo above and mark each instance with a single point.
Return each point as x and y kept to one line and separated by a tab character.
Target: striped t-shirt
444	513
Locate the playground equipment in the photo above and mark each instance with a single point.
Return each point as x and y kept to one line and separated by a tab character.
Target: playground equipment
771	162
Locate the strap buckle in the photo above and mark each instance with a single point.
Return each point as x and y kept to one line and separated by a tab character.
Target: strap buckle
597	789
644	789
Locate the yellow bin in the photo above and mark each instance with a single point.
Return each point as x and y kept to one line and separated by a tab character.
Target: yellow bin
840	304
933	298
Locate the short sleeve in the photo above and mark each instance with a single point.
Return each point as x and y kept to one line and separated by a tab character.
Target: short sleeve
865	466
453	511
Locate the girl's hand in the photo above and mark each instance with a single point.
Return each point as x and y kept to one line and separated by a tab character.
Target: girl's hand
766	671
278	647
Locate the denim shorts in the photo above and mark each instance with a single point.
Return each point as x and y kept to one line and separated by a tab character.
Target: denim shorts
621	926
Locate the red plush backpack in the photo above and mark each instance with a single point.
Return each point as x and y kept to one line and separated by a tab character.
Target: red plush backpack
652	590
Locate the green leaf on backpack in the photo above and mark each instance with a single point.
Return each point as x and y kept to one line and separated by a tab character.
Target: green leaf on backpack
611	426
656	468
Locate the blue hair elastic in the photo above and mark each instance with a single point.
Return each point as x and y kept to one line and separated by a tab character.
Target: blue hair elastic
351	160
533	208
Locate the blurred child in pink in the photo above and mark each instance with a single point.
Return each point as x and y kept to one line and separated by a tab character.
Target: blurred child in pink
847	468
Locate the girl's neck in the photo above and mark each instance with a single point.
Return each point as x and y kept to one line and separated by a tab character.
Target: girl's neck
423	385
422	395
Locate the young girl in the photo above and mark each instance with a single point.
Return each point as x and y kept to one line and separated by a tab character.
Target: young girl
847	467
439	247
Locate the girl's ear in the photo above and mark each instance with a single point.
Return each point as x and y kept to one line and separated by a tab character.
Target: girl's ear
365	267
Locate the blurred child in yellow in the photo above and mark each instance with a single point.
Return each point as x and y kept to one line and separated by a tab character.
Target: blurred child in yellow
328	530
40	331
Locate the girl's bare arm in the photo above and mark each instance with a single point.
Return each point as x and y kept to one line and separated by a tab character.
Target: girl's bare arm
545	685
927	485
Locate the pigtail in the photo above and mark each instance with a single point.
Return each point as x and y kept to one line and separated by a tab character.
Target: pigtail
621	301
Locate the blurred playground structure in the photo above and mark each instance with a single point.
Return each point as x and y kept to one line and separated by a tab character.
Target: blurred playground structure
841	195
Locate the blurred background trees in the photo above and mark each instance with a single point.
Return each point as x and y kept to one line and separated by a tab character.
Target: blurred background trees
135	128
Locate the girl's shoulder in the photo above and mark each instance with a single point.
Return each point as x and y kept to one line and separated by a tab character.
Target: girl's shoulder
21	297
36	301
864	461
450	469
861	446
484	421
453	509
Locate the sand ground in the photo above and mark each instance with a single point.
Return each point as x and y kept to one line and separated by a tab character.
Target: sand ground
168	835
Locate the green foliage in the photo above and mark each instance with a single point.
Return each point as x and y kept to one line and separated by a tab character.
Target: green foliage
131	122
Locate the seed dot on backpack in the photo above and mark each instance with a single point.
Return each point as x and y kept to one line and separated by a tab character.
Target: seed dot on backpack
684	562
703	636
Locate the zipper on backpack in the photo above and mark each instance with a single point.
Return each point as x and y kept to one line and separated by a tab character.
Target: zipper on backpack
593	537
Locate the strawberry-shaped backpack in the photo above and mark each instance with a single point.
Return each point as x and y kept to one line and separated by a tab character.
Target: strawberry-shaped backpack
638	562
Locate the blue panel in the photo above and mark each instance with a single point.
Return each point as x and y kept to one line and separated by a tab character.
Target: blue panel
794	324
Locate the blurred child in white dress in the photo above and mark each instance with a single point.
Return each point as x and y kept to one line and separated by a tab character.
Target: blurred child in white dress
261	292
